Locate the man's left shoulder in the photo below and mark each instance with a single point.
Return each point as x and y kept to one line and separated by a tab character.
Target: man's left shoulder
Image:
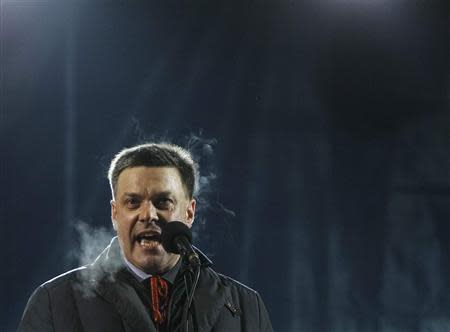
242	301
235	287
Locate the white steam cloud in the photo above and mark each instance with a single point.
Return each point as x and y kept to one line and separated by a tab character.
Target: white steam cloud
92	241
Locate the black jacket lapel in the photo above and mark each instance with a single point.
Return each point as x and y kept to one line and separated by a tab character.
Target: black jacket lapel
209	300
128	304
108	283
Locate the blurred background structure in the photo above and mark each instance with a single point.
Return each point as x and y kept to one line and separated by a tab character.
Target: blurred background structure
322	128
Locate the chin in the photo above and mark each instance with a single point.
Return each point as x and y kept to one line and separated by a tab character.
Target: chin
153	260
154	265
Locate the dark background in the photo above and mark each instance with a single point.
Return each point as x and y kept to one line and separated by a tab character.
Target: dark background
322	129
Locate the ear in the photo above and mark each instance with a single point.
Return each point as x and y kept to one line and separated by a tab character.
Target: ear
113	214
190	213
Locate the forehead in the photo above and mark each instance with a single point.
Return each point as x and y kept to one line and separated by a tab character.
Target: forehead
149	179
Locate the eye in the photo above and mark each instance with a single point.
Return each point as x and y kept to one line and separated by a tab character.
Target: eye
164	203
132	203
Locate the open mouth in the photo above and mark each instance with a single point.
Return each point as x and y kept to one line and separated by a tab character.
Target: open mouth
148	240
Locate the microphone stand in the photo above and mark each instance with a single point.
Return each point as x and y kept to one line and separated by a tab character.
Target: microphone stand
190	296
176	238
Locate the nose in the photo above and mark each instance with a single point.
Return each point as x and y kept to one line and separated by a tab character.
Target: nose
148	212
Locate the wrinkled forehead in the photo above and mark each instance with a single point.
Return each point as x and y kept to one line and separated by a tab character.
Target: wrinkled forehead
150	180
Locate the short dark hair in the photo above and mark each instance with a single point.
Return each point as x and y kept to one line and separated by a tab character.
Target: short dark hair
156	155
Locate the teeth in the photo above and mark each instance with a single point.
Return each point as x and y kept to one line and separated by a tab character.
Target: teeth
148	243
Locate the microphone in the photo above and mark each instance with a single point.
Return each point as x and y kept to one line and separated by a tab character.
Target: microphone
176	238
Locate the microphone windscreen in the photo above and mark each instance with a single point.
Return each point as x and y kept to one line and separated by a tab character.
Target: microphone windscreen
171	231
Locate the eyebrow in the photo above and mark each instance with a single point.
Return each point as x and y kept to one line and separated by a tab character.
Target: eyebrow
162	193
132	194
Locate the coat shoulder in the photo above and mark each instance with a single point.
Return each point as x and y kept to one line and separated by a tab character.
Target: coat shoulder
64	279
243	302
237	290
234	284
50	303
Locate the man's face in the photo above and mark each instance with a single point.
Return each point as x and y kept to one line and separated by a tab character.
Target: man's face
147	198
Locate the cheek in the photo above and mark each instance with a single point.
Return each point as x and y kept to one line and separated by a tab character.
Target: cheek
171	215
121	230
124	223
124	215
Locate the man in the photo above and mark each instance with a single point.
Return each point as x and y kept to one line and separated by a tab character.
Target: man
135	284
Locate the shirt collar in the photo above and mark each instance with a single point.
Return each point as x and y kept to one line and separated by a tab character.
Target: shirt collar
141	275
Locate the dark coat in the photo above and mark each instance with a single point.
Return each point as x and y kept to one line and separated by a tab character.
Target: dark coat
95	298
